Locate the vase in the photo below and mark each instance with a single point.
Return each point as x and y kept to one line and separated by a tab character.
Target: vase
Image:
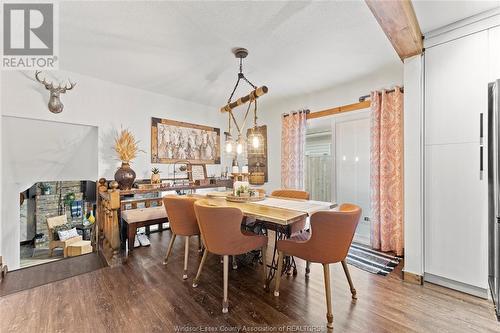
125	176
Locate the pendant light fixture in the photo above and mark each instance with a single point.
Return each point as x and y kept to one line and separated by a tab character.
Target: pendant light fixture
255	139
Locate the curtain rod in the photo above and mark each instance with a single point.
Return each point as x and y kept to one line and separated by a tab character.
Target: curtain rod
363	98
295	112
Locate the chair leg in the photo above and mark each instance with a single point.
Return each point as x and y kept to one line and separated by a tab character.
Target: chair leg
202	262
186	255
235	264
308	268
329	315
278	274
348	276
169	249
200	245
264	266
225	302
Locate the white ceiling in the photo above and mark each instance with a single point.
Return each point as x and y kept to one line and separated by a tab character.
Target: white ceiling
182	49
436	14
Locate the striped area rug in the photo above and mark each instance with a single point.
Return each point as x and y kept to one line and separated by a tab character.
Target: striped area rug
372	261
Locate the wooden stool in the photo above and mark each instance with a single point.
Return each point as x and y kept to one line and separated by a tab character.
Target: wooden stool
79	248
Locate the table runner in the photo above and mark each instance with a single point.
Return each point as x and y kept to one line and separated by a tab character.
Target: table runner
308	206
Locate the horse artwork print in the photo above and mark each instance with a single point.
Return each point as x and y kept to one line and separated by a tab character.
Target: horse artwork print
173	141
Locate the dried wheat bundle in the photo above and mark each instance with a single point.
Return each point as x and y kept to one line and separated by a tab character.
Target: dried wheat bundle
126	146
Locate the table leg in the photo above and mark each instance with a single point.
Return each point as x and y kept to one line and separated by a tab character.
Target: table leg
132	230
279	233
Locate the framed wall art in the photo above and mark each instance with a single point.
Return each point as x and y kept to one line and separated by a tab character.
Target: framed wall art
175	141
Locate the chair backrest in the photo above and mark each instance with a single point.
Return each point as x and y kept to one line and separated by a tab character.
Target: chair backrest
220	227
54	222
332	233
292	194
261	191
181	215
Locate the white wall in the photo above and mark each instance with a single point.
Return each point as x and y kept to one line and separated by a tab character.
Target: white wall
40	150
98	103
347	93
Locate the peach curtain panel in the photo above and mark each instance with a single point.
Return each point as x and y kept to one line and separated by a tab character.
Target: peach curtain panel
293	142
387	171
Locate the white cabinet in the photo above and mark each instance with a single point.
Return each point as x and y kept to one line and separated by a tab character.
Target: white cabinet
455	229
456	214
456	89
494	54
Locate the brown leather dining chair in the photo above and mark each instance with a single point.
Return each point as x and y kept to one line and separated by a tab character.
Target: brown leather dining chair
182	219
221	232
328	242
299	226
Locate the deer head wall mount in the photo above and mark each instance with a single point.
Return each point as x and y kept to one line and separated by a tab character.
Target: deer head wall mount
55	105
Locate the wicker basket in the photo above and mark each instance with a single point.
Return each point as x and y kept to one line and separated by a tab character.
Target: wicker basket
257	178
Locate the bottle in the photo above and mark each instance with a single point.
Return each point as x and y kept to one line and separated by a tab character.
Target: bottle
91	218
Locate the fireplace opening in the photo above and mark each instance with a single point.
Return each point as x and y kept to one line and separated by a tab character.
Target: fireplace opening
57	221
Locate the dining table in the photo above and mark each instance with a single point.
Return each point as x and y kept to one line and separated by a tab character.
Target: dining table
275	214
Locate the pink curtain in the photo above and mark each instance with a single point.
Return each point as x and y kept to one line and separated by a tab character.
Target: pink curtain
293	141
387	171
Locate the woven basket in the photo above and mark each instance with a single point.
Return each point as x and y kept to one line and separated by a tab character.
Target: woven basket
257	178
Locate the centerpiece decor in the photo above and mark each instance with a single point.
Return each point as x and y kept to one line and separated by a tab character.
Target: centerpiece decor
127	149
242	191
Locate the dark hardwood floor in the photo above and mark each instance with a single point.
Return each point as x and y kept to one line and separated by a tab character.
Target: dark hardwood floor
145	296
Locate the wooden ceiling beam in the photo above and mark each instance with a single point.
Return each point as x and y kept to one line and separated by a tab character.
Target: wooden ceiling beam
398	21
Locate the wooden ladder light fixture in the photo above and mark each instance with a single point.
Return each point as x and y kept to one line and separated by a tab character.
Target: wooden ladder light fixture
238	146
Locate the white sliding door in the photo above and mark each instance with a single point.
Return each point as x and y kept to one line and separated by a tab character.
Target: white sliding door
352	155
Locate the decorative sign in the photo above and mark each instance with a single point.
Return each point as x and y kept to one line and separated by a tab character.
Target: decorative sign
198	172
175	141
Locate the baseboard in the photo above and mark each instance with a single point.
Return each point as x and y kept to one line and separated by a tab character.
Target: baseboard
456	285
413	278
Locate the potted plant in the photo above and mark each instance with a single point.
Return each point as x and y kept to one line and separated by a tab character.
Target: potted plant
155	176
127	148
44	188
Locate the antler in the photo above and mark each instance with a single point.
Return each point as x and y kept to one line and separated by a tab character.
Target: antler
47	85
71	86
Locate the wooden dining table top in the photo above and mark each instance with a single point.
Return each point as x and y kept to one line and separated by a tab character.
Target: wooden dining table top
264	211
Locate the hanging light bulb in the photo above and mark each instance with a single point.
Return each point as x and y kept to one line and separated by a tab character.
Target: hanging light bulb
255	141
229	144
240	145
229	147
239	148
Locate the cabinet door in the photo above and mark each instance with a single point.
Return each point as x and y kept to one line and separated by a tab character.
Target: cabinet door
456	89
456	214
494	54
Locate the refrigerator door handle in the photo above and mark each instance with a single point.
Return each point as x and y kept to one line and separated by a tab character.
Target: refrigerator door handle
481	163
481	129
